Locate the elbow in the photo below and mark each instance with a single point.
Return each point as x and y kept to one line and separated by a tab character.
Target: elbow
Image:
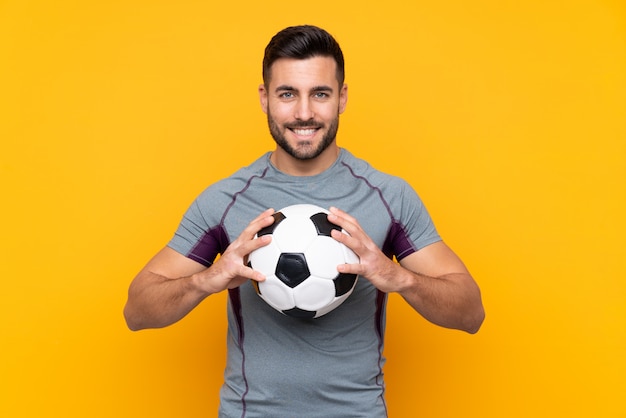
475	314
132	326
475	321
132	322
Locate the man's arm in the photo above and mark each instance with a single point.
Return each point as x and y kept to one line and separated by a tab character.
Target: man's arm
171	285
433	280
438	286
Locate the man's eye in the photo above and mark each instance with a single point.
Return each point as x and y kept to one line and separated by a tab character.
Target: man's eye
321	95
286	95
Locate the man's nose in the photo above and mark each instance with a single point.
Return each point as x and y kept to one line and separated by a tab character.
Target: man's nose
304	110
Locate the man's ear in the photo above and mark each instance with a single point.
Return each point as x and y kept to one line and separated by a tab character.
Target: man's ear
263	97
343	98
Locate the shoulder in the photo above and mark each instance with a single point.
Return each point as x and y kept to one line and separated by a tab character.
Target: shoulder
363	170
398	196
238	180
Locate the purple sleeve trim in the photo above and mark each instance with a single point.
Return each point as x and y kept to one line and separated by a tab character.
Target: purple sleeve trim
235	304
213	242
397	242
381	303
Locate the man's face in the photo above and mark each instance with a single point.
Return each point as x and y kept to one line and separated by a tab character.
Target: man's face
303	101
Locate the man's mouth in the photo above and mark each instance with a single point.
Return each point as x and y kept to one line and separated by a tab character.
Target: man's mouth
304	129
304	132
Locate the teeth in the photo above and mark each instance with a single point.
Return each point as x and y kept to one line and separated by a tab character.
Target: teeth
304	131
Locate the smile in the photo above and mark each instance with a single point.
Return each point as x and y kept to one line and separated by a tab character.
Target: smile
305	132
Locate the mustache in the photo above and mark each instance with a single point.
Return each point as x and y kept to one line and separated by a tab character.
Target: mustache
304	124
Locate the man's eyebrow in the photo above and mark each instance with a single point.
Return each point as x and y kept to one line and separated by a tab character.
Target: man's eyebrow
322	88
286	87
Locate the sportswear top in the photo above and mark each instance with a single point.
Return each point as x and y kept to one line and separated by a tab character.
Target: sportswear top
281	366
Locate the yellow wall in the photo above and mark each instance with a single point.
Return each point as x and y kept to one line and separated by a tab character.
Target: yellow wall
508	117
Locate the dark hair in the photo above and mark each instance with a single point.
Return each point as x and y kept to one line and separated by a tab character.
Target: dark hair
302	42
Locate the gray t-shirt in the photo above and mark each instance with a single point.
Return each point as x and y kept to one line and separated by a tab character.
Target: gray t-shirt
281	366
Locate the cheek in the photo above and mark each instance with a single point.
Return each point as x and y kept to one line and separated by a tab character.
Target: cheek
279	112
328	113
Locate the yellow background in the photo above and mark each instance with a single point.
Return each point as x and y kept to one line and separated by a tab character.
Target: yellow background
508	117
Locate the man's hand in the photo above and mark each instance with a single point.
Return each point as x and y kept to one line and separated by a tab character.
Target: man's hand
433	280
374	265
231	269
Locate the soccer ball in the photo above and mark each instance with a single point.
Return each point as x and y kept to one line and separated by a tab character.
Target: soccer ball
300	263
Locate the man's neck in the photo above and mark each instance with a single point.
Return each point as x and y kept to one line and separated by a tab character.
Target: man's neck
295	167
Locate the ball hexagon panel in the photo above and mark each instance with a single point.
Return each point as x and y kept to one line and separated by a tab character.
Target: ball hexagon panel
294	236
314	293
323	256
275	293
349	256
265	258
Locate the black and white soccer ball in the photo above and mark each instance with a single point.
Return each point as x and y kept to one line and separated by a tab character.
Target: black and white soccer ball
300	263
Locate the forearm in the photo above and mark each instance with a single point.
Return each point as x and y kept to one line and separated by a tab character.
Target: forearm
156	301
451	300
171	284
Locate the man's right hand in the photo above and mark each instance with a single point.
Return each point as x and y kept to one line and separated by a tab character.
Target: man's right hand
231	269
171	285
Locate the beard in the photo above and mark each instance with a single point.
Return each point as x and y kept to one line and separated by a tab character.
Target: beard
306	150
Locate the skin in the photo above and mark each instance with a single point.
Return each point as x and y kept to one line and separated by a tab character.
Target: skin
303	101
433	280
306	94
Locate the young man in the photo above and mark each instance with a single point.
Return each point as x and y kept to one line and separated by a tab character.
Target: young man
280	366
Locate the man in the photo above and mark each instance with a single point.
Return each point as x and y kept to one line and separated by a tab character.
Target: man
280	366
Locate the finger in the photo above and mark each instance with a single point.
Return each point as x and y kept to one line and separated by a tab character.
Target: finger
349	241
357	269
349	228
247	247
255	244
342	214
250	273
343	219
264	214
258	223
262	220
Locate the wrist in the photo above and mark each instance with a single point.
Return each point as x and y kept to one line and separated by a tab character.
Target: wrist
406	280
201	283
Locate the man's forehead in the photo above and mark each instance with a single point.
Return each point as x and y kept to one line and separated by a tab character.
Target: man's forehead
291	71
